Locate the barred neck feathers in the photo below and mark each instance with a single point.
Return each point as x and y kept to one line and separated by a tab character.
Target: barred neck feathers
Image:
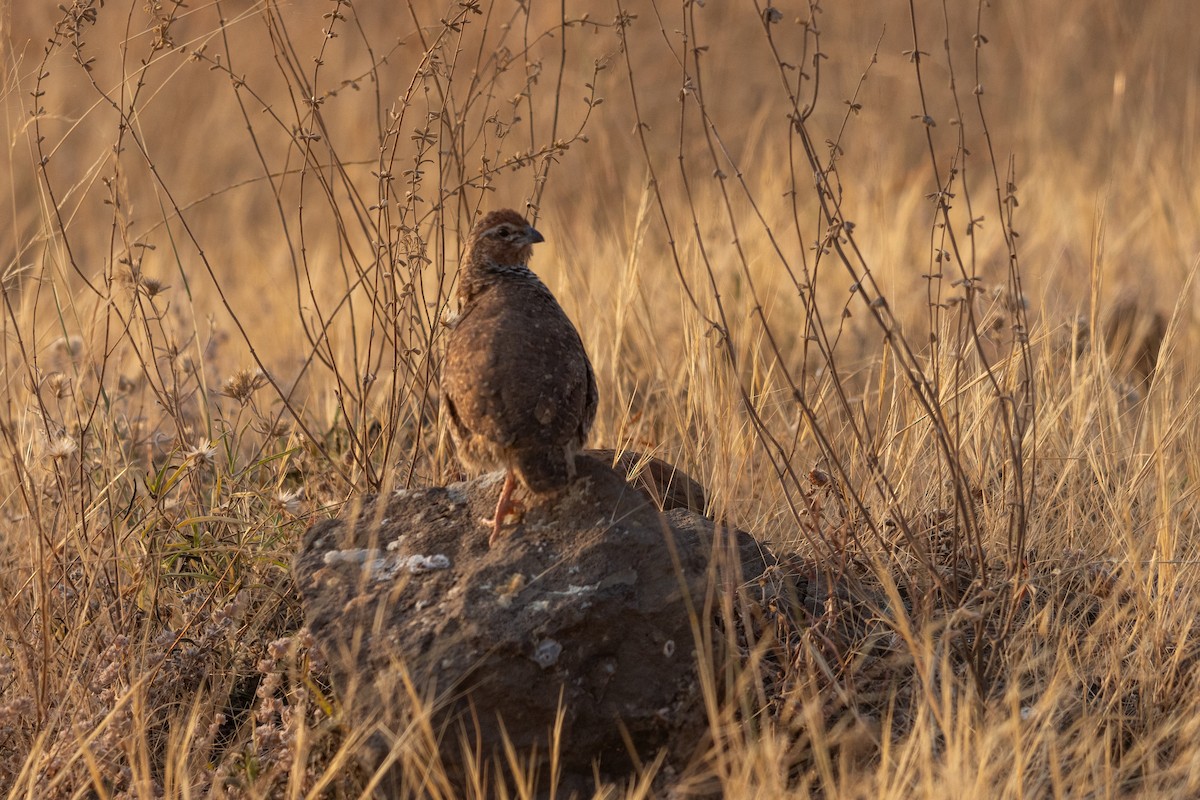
501	245
477	278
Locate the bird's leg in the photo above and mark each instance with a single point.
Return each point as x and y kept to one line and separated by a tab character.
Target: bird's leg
504	507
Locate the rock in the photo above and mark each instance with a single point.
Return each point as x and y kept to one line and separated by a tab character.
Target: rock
587	602
668	486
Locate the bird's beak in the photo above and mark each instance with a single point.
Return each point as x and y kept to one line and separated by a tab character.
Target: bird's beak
533	236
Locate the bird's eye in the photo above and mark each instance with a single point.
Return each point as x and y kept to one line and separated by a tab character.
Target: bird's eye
504	232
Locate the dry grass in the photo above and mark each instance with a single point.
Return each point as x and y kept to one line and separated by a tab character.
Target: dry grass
795	251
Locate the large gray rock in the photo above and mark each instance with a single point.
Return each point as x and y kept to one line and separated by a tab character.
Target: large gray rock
587	606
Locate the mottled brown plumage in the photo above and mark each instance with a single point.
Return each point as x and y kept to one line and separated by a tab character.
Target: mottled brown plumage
517	382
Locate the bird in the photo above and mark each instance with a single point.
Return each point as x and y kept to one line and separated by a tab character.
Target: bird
517	383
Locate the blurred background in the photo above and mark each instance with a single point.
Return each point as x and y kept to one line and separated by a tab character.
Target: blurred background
290	185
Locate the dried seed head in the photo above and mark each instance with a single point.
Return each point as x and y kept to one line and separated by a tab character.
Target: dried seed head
275	429
185	363
232	611
290	500
129	277
204	451
279	648
58	384
69	345
1010	300
62	447
151	286
243	384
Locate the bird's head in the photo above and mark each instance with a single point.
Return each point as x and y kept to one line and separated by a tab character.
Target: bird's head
503	238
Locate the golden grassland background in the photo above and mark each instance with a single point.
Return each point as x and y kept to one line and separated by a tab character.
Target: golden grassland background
233	228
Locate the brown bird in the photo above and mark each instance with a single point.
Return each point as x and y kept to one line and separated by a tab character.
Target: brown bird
517	382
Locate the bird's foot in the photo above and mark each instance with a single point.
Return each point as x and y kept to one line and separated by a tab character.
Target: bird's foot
506	507
512	516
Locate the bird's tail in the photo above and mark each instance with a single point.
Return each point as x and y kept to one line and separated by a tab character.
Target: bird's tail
545	471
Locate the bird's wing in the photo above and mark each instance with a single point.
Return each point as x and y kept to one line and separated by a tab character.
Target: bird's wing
590	402
516	372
